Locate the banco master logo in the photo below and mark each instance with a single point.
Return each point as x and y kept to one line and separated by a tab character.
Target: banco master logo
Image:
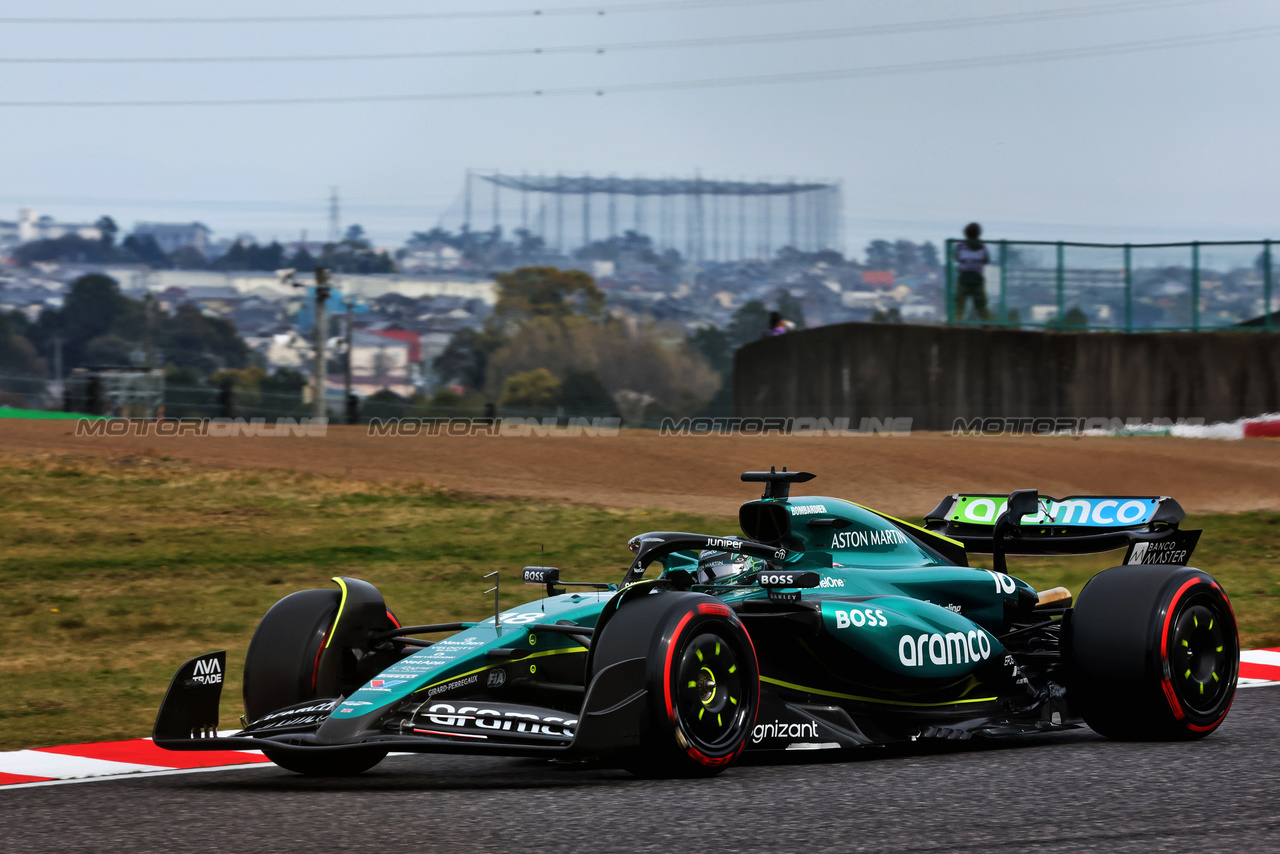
940	649
1087	512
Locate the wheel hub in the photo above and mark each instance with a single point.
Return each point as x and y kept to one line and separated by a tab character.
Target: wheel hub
1200	658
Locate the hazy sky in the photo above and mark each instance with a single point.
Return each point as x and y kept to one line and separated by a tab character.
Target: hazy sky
1145	143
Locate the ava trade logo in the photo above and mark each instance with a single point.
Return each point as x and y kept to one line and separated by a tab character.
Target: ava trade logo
1081	512
385	683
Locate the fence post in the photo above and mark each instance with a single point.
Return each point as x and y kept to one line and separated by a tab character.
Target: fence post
1266	284
1195	286
1128	288
1061	312
1004	285
949	296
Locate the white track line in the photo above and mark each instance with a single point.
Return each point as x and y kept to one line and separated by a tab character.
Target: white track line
136	775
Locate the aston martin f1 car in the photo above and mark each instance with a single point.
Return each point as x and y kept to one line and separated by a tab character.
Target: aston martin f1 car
825	626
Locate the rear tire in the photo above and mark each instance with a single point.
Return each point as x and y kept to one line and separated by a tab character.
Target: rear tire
1154	653
701	676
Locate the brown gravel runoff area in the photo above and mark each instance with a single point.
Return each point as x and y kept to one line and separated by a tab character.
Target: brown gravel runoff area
900	475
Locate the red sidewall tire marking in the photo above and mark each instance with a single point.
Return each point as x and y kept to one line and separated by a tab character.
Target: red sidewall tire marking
702	608
1166	682
666	670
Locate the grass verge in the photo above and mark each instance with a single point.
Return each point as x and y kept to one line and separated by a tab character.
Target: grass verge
113	573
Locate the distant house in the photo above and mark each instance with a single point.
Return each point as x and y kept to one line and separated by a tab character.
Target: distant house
381	360
170	236
31	225
880	279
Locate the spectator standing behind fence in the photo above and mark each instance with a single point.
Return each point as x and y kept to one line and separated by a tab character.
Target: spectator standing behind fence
778	325
971	257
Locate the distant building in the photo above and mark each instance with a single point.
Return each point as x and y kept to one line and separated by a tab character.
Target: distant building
30	225
170	236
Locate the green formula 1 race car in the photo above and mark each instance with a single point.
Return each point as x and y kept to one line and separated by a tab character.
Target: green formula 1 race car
828	626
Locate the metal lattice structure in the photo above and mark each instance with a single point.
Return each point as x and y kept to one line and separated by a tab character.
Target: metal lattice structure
703	219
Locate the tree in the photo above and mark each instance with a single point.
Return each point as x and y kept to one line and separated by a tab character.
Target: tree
146	250
1075	318
639	359
68	247
529	292
207	343
905	256
355	234
536	389
582	393
251	256
466	358
188	258
880	255
749	322
108	229
17	354
713	345
929	255
303	261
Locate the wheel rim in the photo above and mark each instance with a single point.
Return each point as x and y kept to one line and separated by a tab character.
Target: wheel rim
712	698
1201	654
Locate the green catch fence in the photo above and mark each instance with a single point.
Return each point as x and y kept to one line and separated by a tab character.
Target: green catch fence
1121	287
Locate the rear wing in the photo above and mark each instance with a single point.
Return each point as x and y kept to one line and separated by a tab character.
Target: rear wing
1078	524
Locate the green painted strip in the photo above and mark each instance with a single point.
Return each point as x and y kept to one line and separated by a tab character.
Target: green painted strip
809	690
503	663
43	415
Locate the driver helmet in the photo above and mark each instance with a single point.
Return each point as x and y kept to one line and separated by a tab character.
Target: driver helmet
720	567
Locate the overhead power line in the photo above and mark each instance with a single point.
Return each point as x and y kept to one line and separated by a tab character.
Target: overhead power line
715	41
1002	60
546	12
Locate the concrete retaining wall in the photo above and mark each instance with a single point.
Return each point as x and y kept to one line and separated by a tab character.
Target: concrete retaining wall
936	374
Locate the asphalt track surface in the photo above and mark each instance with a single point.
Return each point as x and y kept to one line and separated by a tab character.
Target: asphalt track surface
1069	792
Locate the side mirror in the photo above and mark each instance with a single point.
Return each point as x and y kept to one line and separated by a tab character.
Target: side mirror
1023	502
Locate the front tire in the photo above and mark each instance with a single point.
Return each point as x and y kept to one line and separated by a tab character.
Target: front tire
701	676
282	668
1154	653
328	764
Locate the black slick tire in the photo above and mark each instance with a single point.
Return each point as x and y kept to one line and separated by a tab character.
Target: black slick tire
1154	653
701	676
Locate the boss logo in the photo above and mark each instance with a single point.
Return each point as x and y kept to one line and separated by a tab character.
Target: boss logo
871	617
776	579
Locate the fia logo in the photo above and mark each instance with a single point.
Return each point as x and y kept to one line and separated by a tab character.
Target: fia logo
497	677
